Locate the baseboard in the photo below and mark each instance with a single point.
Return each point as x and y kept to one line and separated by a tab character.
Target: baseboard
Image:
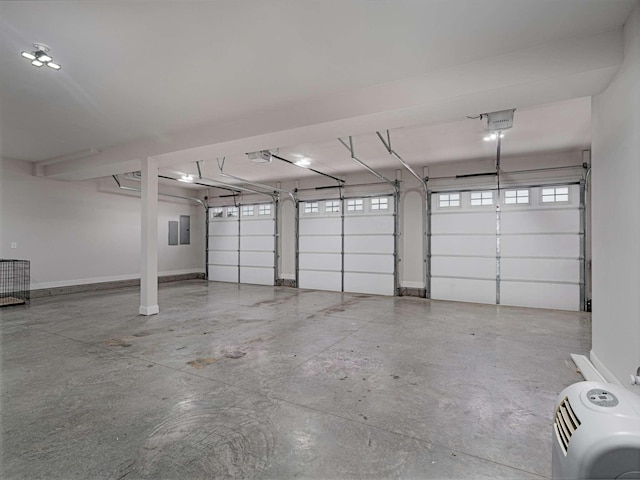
412	292
94	287
603	370
587	369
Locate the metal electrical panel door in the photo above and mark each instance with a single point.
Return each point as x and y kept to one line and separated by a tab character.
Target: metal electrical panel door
463	248
369	245
185	229
320	245
173	232
257	244
224	244
541	248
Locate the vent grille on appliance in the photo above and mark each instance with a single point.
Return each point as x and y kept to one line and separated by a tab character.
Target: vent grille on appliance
565	424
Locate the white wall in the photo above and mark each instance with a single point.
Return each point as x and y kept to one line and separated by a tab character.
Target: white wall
615	217
86	232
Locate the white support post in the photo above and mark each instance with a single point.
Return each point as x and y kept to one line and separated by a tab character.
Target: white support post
149	243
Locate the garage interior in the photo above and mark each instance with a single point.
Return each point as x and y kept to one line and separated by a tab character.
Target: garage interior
313	240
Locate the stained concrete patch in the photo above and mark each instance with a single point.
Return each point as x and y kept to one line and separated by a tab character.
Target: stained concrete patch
202	362
119	342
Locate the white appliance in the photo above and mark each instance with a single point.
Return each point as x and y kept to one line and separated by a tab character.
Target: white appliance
596	433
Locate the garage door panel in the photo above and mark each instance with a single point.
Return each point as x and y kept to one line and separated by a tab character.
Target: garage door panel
369	244
242	249
464	290
543	270
222	273
321	261
479	245
464	267
320	226
565	245
320	244
369	224
256	275
221	228
260	243
331	281
223	257
478	223
257	259
375	284
223	243
540	295
257	227
369	263
541	221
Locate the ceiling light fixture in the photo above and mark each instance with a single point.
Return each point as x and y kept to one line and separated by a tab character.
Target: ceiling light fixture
493	136
41	57
186	178
303	162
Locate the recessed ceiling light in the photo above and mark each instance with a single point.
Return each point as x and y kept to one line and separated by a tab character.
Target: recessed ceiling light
493	136
303	162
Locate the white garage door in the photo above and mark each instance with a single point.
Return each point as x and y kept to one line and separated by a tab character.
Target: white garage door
224	244
242	244
257	244
369	233
541	243
354	254
463	247
528	254
320	245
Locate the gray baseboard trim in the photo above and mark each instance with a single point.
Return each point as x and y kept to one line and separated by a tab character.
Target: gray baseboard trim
412	292
285	282
94	287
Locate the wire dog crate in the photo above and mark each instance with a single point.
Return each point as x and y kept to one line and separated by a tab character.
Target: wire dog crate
15	282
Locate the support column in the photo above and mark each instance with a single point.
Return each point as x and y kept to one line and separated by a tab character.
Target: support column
149	241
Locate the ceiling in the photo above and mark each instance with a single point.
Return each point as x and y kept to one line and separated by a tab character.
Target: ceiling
188	81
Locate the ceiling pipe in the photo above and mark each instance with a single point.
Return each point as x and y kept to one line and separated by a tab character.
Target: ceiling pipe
387	145
361	163
339	180
134	189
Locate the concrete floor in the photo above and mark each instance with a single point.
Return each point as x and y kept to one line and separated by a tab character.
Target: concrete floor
239	381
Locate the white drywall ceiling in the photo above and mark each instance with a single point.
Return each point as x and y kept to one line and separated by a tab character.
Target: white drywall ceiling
190	80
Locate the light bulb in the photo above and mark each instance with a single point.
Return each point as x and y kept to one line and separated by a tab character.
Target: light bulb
37	63
28	56
53	65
